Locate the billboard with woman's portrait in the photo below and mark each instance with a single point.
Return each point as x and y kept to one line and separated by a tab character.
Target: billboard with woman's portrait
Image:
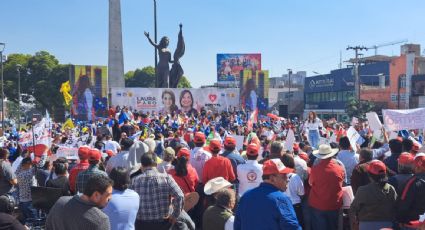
254	90
89	87
167	101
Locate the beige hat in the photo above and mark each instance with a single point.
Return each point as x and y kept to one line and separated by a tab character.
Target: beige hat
216	184
169	153
151	144
325	151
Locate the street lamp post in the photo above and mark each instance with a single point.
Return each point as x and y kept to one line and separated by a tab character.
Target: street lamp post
156	50
2	46
18	68
289	93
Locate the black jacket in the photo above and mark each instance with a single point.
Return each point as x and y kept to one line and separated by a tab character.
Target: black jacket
412	201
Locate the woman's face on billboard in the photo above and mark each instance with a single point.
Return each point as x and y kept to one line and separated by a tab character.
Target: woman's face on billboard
167	100
186	100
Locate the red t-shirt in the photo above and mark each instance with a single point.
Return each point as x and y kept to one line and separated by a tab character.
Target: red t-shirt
188	182
218	166
82	166
326	180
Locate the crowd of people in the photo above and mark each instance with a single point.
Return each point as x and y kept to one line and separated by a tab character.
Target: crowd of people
186	171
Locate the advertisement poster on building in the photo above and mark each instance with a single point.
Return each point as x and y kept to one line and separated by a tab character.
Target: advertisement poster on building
175	100
89	85
254	90
229	66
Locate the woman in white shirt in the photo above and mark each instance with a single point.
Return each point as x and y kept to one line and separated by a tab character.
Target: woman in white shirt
312	126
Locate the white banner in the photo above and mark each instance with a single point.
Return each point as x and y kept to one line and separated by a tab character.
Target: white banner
167	100
67	152
41	135
290	140
397	120
353	136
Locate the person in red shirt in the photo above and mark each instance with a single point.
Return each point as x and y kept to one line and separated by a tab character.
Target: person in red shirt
83	154
217	166
326	180
183	173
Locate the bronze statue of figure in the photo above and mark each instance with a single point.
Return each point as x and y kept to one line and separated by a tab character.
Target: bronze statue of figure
163	74
176	70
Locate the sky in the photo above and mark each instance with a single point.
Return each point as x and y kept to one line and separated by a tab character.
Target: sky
302	35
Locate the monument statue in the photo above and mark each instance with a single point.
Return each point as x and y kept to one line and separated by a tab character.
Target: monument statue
176	70
163	74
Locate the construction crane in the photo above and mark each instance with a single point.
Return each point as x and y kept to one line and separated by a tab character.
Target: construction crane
375	47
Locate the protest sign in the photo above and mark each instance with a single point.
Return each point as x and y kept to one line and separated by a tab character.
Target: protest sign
239	141
397	120
353	136
374	122
67	152
290	140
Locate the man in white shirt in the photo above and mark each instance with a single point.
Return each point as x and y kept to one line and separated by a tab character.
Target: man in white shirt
199	155
348	157
250	174
121	159
112	145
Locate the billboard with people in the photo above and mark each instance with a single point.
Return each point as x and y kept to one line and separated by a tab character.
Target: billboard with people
254	90
167	101
230	66
89	85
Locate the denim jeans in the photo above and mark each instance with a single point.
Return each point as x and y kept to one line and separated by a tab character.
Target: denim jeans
28	211
324	220
313	137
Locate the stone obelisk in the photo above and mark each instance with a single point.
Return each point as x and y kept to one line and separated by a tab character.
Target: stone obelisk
115	52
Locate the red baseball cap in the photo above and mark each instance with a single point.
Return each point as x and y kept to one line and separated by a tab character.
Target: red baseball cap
230	141
377	167
84	152
95	155
420	160
38	151
184	152
275	166
252	150
406	159
199	137
214	145
110	153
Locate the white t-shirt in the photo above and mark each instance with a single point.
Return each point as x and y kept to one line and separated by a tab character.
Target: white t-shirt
198	157
249	176
112	145
295	188
313	125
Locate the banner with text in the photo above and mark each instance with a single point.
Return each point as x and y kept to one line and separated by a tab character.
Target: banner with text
396	120
175	100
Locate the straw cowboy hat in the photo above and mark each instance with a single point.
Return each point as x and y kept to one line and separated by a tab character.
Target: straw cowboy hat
325	151
216	184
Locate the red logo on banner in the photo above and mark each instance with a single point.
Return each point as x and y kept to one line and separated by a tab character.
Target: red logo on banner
212	97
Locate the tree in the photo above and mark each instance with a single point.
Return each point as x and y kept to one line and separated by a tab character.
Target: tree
356	108
144	78
184	83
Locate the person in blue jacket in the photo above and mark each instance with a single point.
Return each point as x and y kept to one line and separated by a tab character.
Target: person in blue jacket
267	207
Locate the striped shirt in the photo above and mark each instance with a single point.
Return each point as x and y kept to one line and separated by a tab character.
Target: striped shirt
84	176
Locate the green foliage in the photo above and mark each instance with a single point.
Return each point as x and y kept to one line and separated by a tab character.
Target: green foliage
184	83
356	108
144	78
41	75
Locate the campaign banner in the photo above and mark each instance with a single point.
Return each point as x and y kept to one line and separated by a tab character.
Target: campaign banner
254	90
230	66
67	152
41	134
166	101
89	92
396	120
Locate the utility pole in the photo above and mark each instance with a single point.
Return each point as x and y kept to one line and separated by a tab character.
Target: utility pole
2	46
356	69
18	69
156	50
289	93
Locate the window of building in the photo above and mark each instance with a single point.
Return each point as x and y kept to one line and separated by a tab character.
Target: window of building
402	81
332	96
